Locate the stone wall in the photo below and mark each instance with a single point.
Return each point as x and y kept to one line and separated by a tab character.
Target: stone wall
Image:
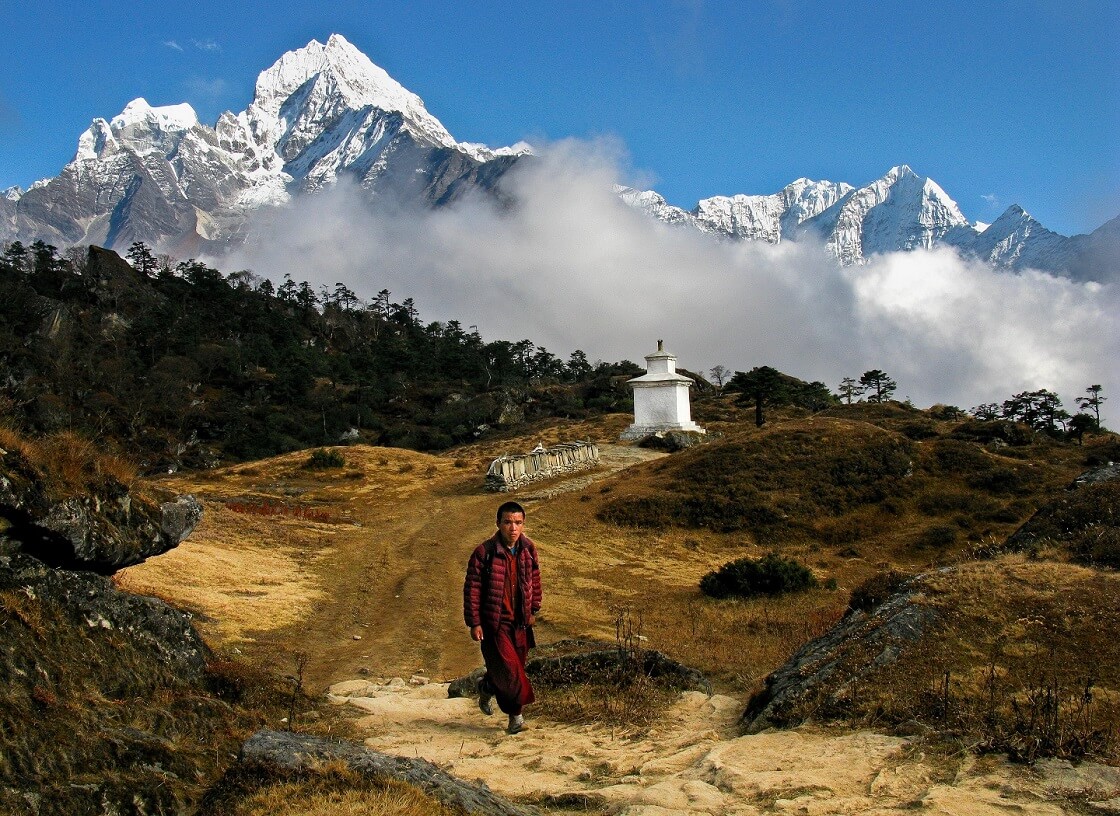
510	472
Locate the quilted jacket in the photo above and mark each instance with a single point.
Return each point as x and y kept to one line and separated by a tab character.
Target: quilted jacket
485	583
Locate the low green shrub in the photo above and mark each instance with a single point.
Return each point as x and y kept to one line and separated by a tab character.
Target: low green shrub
773	574
323	459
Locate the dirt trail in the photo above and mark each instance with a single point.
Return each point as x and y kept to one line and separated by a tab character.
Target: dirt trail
380	592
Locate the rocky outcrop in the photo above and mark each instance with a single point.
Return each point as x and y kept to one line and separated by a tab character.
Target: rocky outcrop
104	705
106	700
568	662
299	752
103	528
824	671
1084	522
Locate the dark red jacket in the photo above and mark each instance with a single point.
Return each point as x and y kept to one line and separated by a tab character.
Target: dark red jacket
484	586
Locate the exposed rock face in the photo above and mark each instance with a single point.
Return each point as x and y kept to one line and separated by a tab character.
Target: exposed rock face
102	707
821	673
297	752
103	530
92	601
320	113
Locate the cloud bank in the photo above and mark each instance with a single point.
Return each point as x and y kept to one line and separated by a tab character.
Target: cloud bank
571	267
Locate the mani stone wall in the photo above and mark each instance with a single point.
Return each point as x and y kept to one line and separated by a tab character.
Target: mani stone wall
511	472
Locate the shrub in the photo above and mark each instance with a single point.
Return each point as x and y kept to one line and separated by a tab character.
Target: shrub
1013	433
877	589
771	575
999	480
937	500
938	536
323	459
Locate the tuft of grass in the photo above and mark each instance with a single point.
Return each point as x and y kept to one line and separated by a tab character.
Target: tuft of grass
69	464
332	790
623	696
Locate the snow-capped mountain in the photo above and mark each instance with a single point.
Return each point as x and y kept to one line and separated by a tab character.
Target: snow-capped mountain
325	112
158	175
901	211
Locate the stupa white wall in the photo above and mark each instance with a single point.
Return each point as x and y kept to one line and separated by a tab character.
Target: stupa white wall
661	398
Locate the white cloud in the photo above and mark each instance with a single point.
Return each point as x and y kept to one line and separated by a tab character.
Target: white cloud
206	45
571	267
173	45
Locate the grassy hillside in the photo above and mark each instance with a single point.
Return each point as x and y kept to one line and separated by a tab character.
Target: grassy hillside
314	574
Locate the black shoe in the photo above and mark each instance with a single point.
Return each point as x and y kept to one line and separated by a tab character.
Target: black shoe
485	699
516	723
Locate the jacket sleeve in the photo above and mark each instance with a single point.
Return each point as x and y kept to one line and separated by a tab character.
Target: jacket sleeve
472	590
537	595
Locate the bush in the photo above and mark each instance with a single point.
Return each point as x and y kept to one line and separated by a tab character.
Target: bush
938	536
770	575
1013	433
876	589
323	459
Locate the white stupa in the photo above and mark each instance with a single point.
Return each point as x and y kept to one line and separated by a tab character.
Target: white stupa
660	398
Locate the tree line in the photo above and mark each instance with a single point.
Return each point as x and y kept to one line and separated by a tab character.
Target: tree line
1041	410
189	366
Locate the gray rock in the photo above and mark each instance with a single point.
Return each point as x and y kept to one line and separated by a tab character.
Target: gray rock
105	529
1104	473
92	602
300	752
821	673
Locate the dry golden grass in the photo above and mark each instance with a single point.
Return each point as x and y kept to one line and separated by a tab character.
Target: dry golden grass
353	594
332	790
239	573
69	464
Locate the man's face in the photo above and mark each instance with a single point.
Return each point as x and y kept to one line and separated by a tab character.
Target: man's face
510	527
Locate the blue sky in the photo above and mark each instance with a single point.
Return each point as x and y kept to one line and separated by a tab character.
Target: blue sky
1001	103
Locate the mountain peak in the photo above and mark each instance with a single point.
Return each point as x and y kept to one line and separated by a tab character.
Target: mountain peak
348	76
168	118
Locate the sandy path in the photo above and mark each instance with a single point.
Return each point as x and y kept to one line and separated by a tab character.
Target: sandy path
693	762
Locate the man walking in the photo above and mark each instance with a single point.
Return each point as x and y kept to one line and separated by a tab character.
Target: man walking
501	597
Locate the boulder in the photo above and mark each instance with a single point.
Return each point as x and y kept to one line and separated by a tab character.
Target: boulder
103	529
821	673
299	752
105	707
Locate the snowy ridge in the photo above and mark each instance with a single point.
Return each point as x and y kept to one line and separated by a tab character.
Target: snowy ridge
1018	240
900	212
768	217
325	112
157	174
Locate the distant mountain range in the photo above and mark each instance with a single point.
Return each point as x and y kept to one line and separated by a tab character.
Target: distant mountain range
324	112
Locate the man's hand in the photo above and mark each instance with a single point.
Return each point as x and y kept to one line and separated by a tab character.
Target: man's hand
476	633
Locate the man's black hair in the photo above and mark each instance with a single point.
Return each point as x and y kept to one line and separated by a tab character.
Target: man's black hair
510	507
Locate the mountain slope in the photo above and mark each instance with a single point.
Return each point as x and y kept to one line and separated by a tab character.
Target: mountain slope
319	113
